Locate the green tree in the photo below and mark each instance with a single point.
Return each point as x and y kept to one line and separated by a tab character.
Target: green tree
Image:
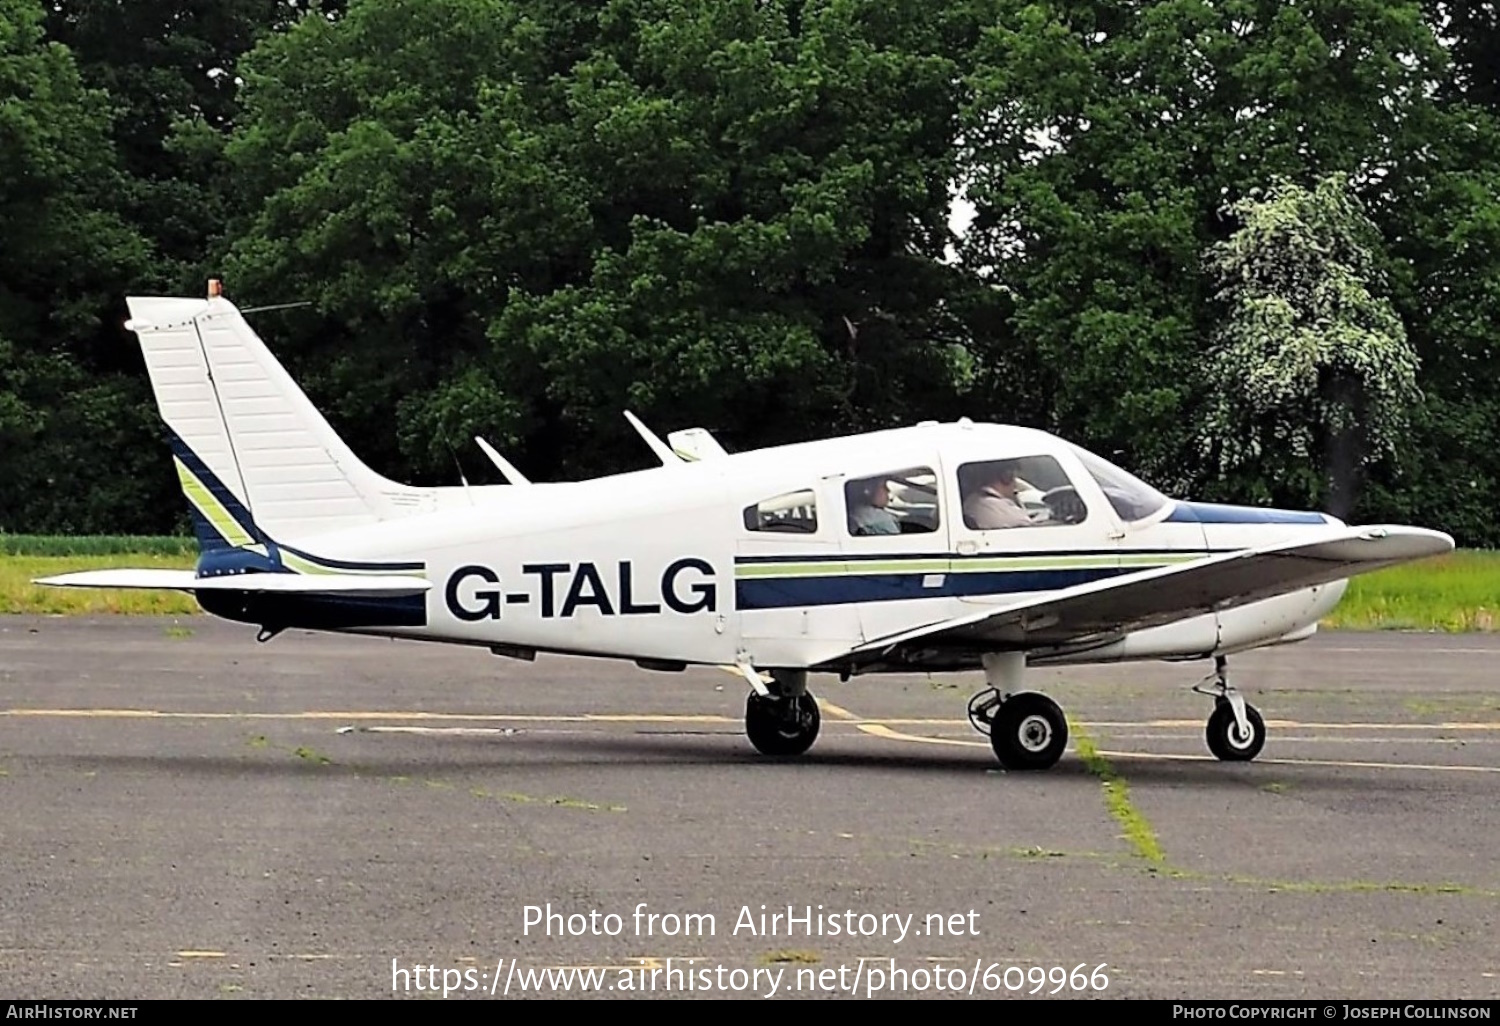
1104	140
77	452
170	70
520	217
1473	26
1311	373
1444	226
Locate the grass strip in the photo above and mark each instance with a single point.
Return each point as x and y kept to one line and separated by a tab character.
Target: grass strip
1456	592
19	595
97	545
1134	826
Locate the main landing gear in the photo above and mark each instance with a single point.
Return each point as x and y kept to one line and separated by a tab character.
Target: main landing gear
1236	732
1027	730
786	721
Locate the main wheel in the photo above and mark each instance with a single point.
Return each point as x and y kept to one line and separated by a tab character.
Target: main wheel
1225	739
775	730
1028	732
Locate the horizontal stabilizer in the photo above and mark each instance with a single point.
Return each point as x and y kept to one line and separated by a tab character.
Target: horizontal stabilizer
286	584
1152	598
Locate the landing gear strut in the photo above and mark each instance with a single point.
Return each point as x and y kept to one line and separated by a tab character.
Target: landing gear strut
786	721
1235	732
1027	730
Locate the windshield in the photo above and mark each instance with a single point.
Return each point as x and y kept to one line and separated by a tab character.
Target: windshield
1132	498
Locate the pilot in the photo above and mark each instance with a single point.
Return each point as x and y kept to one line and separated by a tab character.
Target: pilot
993	503
867	508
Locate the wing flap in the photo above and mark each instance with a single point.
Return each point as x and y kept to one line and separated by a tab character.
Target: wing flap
289	584
1164	595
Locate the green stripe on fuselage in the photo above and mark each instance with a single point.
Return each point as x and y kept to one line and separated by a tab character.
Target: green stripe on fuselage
957	565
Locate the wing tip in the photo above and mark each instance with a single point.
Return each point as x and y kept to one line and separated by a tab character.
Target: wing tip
1429	541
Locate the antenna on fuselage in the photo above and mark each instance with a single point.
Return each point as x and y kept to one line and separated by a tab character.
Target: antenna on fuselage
456	462
502	464
662	449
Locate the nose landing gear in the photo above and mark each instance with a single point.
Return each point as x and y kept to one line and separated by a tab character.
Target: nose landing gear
1028	731
1235	731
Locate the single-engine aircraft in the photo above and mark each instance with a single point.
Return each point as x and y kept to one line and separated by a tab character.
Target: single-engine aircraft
939	547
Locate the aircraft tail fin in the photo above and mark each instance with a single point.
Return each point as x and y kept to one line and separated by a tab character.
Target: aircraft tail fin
255	457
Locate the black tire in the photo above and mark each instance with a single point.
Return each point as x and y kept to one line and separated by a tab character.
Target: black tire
1029	732
1224	738
772	732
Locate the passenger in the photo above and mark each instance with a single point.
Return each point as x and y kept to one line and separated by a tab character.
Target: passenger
867	508
993	502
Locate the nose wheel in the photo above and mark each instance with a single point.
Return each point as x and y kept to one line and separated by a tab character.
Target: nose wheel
1235	732
1228	741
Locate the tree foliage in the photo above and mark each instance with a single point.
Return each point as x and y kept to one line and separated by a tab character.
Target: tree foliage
73	449
1105	139
1310	372
727	213
169	68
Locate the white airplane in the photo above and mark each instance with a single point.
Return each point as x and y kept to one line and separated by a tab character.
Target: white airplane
866	554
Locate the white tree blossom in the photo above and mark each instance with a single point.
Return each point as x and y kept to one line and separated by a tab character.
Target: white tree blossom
1311	370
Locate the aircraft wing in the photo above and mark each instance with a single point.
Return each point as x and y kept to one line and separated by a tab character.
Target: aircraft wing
286	584
1151	598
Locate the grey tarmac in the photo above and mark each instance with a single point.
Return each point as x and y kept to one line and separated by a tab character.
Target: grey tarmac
188	813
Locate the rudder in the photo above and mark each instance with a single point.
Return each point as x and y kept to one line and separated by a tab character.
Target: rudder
255	458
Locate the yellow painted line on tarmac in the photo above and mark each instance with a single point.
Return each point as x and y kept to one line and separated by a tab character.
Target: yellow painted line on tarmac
1196	725
1310	739
837	711
1302	725
1381	650
901	721
876	728
1338	763
150	714
201	954
880	730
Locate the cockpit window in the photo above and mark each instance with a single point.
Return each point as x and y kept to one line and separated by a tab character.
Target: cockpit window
1132	498
794	512
1031	491
902	502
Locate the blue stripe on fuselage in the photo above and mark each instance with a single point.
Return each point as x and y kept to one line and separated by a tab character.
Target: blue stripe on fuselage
346	564
782	592
1212	513
317	612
